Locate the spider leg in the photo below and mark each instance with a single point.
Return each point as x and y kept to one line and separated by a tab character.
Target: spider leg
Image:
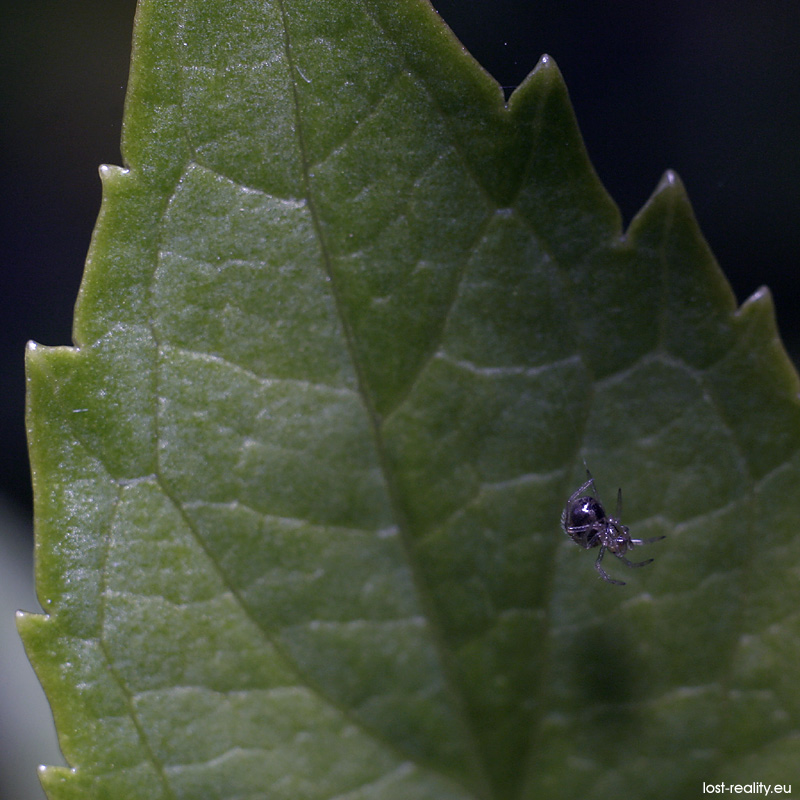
578	532
579	528
580	490
619	503
632	563
574	496
648	541
603	574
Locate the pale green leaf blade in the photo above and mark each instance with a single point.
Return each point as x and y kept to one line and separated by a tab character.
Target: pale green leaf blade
349	326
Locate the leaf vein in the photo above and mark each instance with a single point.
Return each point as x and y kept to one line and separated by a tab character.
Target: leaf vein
393	493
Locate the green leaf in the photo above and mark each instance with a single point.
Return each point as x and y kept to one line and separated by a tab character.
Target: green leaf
349	327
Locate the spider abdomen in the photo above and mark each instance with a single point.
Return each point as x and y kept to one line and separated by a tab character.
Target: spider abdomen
586	511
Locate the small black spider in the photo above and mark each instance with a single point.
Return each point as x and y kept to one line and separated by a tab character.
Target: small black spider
584	520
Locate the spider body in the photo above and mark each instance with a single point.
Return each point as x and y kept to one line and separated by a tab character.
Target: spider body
585	521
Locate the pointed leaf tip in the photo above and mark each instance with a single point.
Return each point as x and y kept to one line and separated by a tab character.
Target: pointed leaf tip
670	178
762	295
670	186
546	69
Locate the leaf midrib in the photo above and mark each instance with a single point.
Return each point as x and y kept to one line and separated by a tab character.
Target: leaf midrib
375	421
486	787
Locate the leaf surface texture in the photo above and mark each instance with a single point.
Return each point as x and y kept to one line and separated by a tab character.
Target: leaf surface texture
350	325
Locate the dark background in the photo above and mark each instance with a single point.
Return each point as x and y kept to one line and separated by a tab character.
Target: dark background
710	89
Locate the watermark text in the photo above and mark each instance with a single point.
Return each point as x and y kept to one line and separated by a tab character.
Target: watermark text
747	788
